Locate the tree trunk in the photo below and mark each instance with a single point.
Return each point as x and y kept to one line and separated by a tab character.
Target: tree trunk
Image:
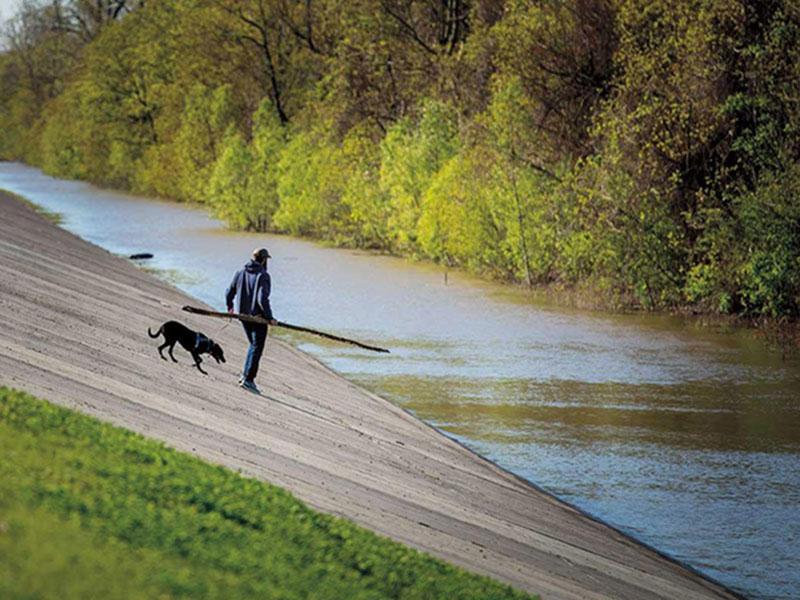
521	222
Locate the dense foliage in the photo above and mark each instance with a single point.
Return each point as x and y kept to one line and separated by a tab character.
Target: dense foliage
91	510
647	150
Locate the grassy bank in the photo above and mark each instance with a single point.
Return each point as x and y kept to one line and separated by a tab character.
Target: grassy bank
87	509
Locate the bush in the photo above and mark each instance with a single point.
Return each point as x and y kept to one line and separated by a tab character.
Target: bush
769	270
410	157
208	116
310	187
367	204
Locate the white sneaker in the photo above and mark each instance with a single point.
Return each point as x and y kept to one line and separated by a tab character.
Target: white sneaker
250	386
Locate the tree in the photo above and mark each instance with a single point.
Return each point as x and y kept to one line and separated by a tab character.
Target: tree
269	139
229	188
256	23
87	18
368	205
520	181
310	187
409	159
561	53
208	117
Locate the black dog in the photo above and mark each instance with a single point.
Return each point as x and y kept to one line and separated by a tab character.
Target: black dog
193	342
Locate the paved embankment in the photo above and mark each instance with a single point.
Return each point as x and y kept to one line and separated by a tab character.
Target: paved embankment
73	330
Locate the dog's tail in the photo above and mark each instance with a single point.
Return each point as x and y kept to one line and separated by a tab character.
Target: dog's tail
156	334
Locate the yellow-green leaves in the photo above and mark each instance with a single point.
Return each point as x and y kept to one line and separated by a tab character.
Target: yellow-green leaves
606	143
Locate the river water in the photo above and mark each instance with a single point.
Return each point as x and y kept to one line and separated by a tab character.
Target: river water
686	437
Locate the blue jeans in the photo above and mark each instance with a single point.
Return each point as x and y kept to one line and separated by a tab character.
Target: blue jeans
257	335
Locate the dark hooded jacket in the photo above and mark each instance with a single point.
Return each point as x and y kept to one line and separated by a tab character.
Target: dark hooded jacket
251	287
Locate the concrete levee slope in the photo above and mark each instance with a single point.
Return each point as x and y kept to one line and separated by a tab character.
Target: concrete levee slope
74	322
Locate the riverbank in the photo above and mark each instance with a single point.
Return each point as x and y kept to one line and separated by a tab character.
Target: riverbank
781	334
75	333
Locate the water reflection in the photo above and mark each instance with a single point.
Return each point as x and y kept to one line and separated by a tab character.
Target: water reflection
712	468
694	416
687	437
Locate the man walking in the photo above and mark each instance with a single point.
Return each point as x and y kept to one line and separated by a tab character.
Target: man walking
251	286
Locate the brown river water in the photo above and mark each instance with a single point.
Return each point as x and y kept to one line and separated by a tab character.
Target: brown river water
686	437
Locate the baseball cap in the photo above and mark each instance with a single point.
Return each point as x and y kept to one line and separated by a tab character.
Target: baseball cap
261	254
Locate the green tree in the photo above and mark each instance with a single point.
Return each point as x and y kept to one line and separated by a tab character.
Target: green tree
243	185
63	138
367	204
310	187
269	138
411	156
561	56
229	189
522	185
207	117
460	223
635	147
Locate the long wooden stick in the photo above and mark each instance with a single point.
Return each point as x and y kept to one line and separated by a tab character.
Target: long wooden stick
262	321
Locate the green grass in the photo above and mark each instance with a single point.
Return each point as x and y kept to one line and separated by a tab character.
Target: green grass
92	510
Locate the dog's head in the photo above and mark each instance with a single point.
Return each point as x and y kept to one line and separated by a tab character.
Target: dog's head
216	352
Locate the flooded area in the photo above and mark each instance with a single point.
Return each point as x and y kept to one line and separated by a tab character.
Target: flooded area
686	437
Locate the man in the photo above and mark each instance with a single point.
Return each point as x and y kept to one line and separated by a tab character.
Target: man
251	286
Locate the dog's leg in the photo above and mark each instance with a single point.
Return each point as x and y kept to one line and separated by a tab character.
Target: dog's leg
171	355
160	348
197	361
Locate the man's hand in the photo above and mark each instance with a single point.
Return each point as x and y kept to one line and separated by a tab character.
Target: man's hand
273	322
230	311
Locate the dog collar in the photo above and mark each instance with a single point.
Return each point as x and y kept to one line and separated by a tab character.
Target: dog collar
199	340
